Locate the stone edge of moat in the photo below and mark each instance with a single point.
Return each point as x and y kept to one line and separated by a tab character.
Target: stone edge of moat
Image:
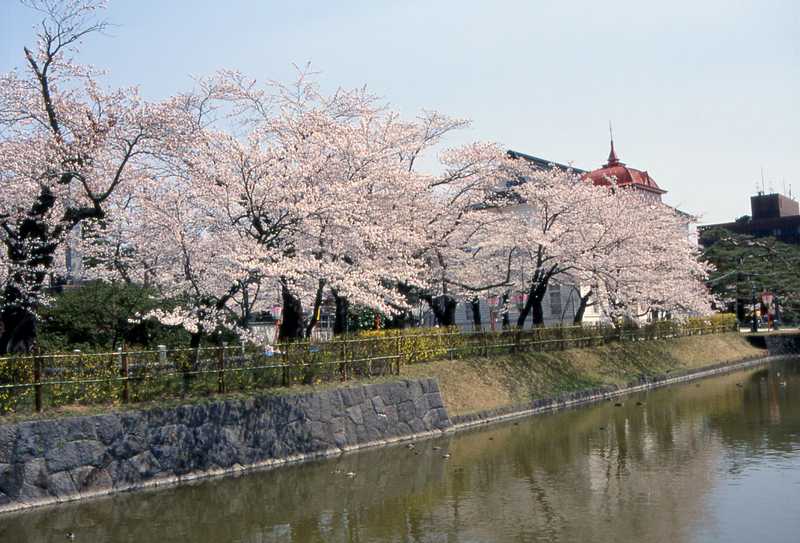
442	423
607	392
47	462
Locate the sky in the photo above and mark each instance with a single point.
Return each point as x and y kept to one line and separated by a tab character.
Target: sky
702	94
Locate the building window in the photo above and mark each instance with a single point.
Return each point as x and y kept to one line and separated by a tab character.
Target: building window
555	301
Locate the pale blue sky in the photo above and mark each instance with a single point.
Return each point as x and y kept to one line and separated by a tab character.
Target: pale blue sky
702	94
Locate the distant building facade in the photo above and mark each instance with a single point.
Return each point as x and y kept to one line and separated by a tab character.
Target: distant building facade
775	215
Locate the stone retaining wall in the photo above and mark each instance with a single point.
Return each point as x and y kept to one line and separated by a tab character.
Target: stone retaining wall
783	344
49	461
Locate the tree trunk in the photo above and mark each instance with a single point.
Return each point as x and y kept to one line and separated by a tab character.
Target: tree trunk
537	312
741	311
315	312
475	303
292	316
533	306
444	309
17	331
506	315
584	302
30	251
340	323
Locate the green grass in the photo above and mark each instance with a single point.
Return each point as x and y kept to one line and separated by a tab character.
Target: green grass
478	384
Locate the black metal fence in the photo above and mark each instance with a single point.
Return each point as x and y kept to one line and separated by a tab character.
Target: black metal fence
33	382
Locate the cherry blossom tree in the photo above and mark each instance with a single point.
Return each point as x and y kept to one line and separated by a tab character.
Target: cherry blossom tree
326	184
170	237
464	200
67	149
632	253
646	262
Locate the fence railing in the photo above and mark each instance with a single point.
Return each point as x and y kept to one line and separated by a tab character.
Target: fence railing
33	382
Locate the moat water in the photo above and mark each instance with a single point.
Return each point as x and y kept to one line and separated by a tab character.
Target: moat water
713	460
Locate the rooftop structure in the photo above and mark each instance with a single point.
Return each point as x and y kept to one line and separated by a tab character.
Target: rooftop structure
775	215
624	176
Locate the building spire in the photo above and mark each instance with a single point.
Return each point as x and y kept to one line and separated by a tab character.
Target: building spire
612	156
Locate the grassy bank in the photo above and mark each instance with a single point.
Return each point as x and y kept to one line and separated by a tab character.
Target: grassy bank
478	384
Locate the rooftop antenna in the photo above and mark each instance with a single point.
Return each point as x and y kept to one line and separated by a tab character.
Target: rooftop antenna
762	180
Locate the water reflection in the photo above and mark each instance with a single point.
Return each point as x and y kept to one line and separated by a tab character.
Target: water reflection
694	462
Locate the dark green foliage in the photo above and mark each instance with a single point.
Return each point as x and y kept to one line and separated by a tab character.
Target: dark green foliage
102	316
745	264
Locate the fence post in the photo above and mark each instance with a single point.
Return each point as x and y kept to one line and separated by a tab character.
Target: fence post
37	379
399	354
221	369
124	374
285	370
344	358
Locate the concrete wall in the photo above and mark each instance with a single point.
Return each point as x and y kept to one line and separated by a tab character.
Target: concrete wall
48	461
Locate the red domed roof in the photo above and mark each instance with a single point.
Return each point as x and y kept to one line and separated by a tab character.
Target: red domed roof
623	175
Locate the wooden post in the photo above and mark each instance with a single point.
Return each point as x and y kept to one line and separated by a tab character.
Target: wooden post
37	379
399	354
124	375
285	371
221	370
344	359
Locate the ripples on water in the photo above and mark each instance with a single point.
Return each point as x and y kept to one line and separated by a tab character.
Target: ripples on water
706	461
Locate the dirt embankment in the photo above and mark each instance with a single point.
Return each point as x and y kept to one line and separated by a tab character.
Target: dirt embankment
480	384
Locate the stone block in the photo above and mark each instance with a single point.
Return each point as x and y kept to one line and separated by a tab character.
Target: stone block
354	413
434	400
421	406
406	411
129	445
97	479
122	473
8	479
29	443
75	453
33	472
168	457
79	428
8	438
108	428
418	426
378	405
415	390
30	493
61	484
146	464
